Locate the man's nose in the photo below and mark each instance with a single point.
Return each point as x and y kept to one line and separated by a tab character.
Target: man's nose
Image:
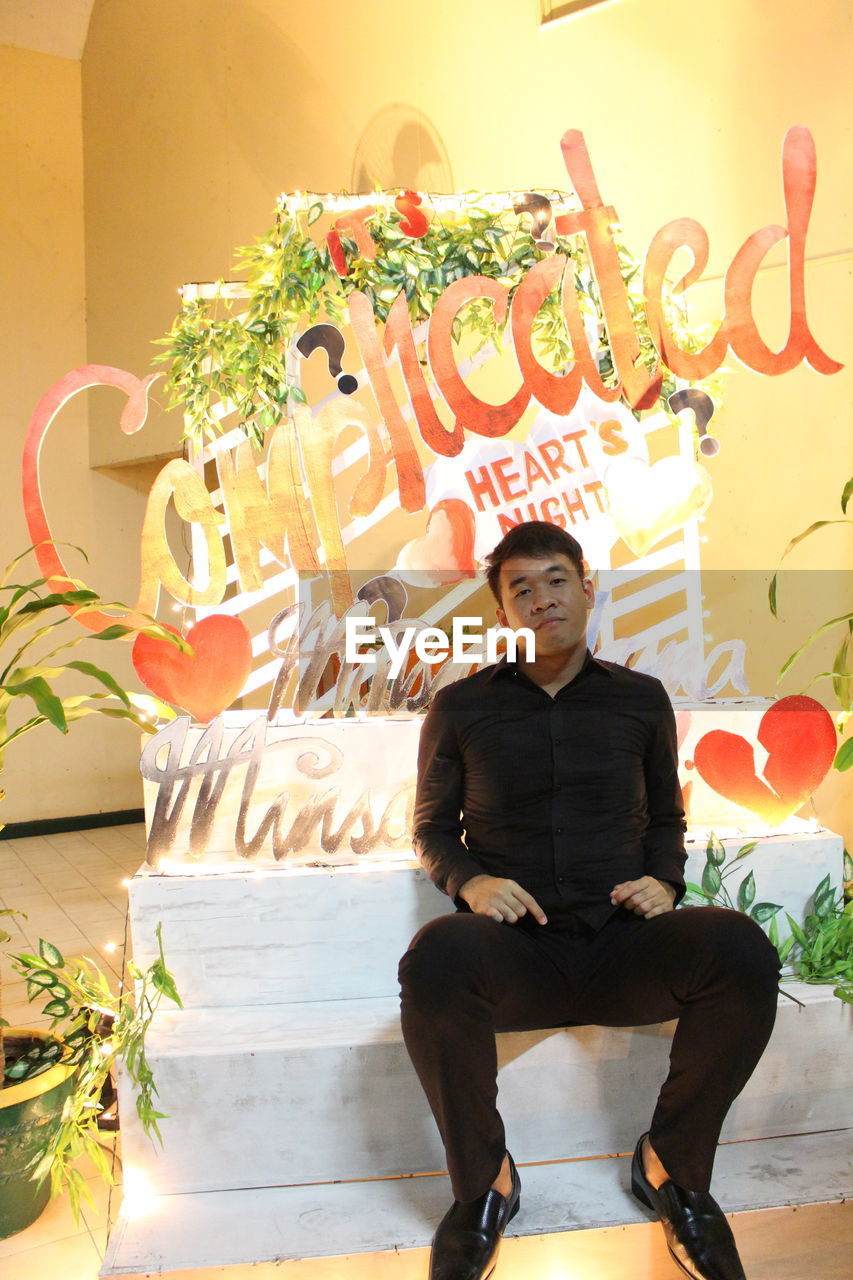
543	598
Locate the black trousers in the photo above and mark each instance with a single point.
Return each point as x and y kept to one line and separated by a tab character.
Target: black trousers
466	976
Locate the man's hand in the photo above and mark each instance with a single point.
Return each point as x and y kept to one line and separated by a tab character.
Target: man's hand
647	897
502	900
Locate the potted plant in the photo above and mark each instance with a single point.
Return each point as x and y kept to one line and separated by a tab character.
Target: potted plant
51	1082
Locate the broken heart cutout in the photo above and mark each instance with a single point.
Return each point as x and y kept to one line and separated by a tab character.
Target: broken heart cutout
799	737
206	681
445	553
647	503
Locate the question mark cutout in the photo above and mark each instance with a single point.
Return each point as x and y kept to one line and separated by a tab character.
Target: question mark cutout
389	589
539	210
703	410
333	343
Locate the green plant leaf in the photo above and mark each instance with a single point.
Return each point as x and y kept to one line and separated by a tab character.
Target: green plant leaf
744	851
715	852
785	949
746	892
165	983
42	980
764	911
98	1157
711	880
48	704
115	632
57	1009
813	528
844	756
18	1070
847	494
771	595
824	897
842	673
81	596
796	931
826	626
50	954
76	1038
104	677
34	547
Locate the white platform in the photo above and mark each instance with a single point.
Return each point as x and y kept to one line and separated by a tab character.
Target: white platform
285	1075
185	1231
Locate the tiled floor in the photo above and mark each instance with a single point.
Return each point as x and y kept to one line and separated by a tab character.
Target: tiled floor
71	888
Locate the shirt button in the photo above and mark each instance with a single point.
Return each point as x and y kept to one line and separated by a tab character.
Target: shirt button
561	879
559	831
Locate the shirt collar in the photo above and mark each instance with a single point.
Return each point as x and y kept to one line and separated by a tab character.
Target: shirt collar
503	668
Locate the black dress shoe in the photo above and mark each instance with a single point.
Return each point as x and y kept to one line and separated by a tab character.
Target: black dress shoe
466	1243
697	1234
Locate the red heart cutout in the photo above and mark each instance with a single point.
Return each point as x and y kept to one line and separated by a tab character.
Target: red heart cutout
445	553
799	737
206	681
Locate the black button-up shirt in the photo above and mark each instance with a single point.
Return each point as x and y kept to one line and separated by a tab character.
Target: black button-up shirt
568	795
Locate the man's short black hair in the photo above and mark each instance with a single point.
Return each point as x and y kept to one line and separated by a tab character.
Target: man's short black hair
532	538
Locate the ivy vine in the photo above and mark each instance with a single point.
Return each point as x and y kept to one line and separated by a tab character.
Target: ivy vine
230	352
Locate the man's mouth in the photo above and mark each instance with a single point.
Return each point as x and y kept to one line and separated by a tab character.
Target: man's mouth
546	622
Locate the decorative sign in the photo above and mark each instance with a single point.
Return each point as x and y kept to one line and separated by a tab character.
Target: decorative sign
326	792
318	793
410	378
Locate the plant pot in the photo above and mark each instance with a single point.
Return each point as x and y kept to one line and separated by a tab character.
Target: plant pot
29	1113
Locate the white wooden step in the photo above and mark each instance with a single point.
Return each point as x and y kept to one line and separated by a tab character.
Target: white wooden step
166	1233
267	936
321	1091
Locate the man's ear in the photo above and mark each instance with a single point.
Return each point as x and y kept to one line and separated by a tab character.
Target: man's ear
501	617
589	592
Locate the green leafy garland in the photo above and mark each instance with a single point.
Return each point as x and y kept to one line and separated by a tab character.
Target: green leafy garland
233	351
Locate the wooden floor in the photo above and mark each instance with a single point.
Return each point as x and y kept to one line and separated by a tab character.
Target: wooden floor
812	1242
70	887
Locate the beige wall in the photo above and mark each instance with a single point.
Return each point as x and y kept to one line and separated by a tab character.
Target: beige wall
196	114
42	336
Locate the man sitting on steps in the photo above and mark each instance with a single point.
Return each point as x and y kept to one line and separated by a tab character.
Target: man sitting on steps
561	771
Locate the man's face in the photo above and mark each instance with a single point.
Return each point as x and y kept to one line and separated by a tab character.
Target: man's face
548	595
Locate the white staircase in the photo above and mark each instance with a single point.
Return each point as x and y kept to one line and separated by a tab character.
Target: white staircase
295	1118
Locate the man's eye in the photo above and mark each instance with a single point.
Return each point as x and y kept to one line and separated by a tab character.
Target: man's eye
556	582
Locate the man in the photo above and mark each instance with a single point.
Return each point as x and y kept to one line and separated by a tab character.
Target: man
561	771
